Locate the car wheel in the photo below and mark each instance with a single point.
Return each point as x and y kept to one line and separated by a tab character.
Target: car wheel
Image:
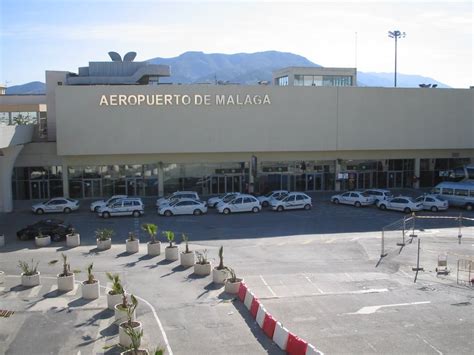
226	211
469	207
434	209
105	214
67	210
265	204
215	205
407	210
376	201
307	207
336	201
39	211
197	212
96	209
383	207
255	210
280	208
168	213
357	204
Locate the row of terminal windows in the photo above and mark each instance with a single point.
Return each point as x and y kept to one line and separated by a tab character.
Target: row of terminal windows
323	80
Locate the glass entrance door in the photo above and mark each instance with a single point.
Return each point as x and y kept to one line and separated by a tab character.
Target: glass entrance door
314	182
92	188
395	179
39	190
134	186
220	184
364	180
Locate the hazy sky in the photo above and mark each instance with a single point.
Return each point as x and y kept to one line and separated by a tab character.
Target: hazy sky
39	35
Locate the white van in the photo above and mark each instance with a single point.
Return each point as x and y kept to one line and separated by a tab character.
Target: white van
460	194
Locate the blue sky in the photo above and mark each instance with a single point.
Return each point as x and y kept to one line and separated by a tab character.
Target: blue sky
39	35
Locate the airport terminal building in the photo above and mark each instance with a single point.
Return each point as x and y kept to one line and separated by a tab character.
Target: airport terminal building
113	129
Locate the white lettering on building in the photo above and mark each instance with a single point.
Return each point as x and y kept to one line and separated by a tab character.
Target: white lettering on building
183	100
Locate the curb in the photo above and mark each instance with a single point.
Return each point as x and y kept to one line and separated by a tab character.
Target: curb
286	341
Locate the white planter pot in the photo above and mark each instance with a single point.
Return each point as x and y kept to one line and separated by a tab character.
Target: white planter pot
232	287
121	315
112	300
73	240
29	281
154	249
43	242
104	244
90	291
66	283
187	259
138	352
124	339
202	269
2	277
132	246
172	253
2	240
219	276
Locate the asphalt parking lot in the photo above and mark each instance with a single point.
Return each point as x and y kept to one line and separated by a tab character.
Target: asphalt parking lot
318	272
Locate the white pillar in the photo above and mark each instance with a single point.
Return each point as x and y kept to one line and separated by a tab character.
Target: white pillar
65	175
416	185
336	173
7	161
161	183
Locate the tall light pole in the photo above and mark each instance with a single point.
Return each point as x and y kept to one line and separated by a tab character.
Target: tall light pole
396	34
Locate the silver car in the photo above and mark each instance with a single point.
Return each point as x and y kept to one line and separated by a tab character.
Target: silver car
57	204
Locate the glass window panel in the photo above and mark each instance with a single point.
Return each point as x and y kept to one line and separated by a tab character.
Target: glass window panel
299	81
308	80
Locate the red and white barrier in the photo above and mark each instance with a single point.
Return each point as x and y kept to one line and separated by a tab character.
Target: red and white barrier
260	315
280	336
296	345
248	299
254	307
286	341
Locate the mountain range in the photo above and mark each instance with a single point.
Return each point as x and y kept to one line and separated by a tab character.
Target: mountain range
245	69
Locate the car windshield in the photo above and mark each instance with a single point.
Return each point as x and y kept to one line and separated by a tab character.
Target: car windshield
365	194
281	197
174	202
228	198
268	194
440	198
410	199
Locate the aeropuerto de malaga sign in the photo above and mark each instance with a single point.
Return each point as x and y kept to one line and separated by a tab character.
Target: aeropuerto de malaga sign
183	100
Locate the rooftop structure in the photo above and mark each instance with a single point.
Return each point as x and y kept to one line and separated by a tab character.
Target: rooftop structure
315	76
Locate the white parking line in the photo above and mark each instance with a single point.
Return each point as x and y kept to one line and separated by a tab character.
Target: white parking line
312	283
35	291
373	309
430	345
269	288
330	241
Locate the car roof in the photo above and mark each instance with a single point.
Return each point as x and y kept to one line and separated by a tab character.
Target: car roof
184	192
189	199
379	190
297	193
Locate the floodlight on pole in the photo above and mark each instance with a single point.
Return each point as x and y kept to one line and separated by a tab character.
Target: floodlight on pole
396	35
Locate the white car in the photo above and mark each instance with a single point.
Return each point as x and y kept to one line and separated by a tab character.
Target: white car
400	203
354	198
97	204
242	203
124	207
214	201
177	196
294	200
433	203
266	199
57	204
379	194
183	206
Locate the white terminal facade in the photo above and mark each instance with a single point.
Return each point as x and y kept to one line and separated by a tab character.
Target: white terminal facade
112	129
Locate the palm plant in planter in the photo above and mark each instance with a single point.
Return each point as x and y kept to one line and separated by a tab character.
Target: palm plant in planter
90	287
104	238
30	275
232	283
121	309
202	266
171	251
114	296
73	239
42	240
187	256
130	326
66	278
132	243
220	272
135	337
154	245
